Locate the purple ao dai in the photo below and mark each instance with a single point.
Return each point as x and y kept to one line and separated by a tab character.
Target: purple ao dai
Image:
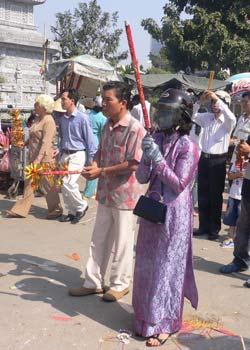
164	265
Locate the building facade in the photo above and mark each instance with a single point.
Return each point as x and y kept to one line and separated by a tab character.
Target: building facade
22	52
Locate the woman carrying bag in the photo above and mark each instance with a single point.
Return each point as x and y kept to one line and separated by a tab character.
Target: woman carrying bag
164	269
40	143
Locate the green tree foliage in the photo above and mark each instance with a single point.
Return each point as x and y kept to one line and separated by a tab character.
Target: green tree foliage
155	70
128	69
213	34
88	30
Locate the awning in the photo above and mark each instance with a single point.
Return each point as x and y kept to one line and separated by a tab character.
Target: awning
84	73
178	80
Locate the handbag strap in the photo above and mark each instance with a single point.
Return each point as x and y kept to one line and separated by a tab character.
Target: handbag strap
154	178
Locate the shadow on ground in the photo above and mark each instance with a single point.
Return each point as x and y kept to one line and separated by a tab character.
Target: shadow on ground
37	212
48	281
214	342
213	267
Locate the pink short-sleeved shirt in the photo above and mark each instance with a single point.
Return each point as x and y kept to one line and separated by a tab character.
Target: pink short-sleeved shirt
120	142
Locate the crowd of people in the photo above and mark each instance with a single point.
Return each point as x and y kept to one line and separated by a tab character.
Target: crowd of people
117	156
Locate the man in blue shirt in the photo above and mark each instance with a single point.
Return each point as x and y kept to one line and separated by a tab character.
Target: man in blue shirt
77	147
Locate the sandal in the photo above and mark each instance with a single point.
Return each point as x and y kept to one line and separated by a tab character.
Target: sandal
156	337
12	214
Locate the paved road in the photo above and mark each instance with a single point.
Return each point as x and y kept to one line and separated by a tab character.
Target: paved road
37	313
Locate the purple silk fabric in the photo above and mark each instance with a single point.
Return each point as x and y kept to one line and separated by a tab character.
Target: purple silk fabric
164	264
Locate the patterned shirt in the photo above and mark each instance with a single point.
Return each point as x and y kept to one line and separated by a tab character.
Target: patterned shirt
119	143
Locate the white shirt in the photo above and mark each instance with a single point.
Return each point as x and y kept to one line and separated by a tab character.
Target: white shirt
196	138
235	189
137	112
242	130
81	108
216	131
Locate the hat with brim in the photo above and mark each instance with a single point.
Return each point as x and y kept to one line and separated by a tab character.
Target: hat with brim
58	106
88	102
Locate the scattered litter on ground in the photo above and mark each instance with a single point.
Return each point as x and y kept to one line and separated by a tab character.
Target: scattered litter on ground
17	286
121	338
73	256
61	318
124	336
197	327
242	343
225	331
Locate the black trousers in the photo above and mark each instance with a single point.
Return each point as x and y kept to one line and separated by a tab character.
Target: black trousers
211	182
241	250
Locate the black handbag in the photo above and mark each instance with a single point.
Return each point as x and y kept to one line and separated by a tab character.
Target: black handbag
151	210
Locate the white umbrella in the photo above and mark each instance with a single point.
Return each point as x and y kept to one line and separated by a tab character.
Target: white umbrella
241	83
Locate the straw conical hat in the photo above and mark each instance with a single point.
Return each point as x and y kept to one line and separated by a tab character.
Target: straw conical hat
58	106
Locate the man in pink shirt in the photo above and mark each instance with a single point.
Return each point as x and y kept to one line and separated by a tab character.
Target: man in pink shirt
114	164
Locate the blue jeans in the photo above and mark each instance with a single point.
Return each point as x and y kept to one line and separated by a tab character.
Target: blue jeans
90	188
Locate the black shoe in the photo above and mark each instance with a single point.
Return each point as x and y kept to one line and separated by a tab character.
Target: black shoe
198	232
79	215
232	267
213	236
67	218
247	283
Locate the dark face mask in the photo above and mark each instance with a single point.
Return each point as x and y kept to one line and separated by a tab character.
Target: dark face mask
166	117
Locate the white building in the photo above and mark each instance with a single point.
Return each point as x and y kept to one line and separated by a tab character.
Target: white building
21	54
155	47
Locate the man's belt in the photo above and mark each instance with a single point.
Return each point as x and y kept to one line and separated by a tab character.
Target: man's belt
213	156
71	151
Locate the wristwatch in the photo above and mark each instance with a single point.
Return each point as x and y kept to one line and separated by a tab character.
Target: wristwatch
103	171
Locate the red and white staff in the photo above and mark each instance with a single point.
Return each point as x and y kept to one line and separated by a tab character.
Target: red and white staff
137	75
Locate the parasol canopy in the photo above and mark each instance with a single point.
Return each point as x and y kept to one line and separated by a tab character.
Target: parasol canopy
85	73
240	83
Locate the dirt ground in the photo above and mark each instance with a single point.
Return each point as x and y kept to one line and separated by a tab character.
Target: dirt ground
37	268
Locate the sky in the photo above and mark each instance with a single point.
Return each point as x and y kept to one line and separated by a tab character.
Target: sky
132	11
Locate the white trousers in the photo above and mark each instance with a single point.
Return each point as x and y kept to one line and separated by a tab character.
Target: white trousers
70	189
113	233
